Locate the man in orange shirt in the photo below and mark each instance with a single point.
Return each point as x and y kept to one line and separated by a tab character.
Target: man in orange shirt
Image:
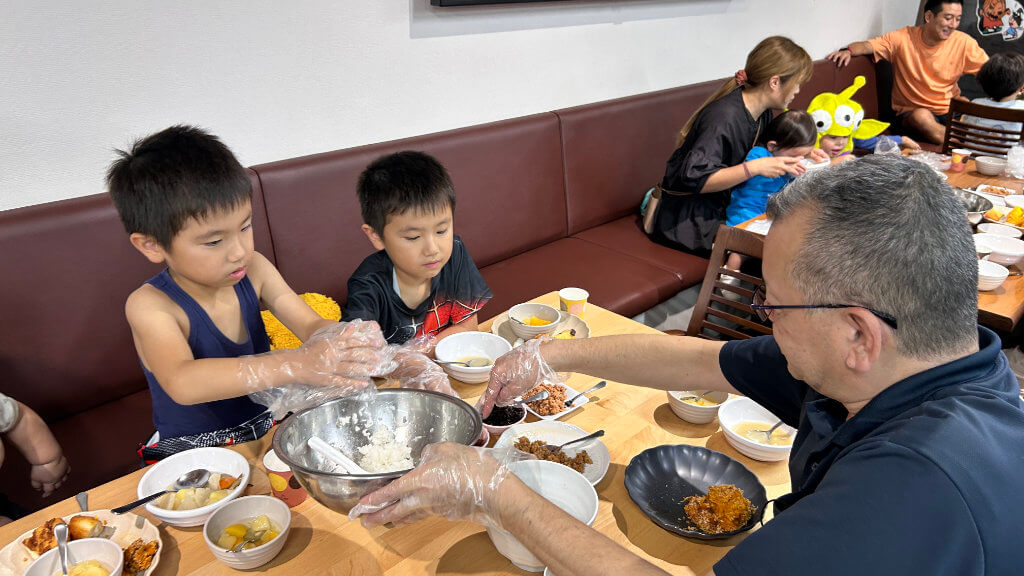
927	62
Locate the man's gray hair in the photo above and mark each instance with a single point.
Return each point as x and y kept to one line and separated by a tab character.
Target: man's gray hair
887	233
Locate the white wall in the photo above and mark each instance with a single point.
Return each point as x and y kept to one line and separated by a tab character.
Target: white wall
285	78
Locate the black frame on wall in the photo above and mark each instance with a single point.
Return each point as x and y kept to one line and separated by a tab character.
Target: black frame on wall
481	2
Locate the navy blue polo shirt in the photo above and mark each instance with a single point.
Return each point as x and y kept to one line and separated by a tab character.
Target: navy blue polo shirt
928	478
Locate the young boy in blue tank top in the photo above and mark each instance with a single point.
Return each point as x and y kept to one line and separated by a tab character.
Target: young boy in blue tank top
185	202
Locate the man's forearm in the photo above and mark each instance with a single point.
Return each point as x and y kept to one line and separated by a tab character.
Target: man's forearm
560	541
861	48
654	361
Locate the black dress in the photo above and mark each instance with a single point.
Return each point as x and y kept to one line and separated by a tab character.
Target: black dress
720	137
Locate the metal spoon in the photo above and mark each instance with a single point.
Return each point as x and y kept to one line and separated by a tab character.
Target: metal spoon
60	531
249	537
473	363
542	395
701	397
553	448
597	386
194	479
768	432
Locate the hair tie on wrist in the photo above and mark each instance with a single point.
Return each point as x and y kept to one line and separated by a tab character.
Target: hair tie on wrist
741	77
746	170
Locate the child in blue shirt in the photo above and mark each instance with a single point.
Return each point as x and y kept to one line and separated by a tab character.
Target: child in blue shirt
791	133
185	202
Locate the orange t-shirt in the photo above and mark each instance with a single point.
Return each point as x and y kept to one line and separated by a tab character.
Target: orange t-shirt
926	76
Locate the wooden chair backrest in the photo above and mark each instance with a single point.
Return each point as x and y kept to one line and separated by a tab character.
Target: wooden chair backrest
717	316
981	139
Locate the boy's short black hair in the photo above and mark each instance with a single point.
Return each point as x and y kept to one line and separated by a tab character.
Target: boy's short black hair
407	180
1002	75
935	6
179	173
791	129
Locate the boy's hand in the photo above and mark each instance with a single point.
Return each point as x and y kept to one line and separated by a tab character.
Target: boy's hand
342	354
49	476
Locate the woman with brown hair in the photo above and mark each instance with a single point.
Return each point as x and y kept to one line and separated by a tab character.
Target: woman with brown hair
709	160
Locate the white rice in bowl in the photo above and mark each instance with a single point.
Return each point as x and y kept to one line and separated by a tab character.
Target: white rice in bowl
387	451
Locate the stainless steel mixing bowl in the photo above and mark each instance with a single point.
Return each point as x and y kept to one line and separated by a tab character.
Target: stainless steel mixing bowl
975	204
346	424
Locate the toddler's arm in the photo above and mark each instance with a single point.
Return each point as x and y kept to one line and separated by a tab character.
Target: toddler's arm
33	438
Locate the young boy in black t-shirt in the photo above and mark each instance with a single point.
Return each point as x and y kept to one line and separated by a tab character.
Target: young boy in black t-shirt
422	281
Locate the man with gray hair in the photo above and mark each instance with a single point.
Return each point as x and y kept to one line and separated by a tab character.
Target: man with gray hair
909	454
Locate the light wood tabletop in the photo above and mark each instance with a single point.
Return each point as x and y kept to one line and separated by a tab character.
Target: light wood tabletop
324	542
1002	308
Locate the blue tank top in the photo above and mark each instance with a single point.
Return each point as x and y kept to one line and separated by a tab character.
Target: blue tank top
207	341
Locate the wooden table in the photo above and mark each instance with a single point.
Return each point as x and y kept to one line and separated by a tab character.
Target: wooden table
1002	308
324	542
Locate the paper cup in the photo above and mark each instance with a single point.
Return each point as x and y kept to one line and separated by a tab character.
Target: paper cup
573	300
283	484
960	157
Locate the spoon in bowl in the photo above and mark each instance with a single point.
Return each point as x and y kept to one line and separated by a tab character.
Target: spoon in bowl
60	532
335	455
768	433
195	479
542	395
590	436
472	363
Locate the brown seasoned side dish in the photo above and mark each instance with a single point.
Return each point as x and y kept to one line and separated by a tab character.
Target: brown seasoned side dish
138	556
724	509
553	404
537	448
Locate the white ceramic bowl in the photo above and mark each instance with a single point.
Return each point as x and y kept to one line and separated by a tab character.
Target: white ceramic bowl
999	229
990	166
981	247
102	550
523	311
1014	200
165	472
1006	251
236	512
555	432
464	344
743	409
990	275
563	487
691	412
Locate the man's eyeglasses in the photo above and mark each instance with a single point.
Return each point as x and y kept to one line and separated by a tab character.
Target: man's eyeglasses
765	311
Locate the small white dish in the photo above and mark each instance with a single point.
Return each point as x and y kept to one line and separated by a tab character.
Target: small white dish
990	166
520	313
238	511
107	553
759	226
569	393
1014	200
1001	191
999	229
743	409
991	275
459	346
691	412
1005	250
165	472
554	432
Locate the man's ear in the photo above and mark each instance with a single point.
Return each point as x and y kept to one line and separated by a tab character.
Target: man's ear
375	238
863	333
149	247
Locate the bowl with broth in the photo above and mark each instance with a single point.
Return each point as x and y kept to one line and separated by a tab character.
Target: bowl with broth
741	418
696	406
477	349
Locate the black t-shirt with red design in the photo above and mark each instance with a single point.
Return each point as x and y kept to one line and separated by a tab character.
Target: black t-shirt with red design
457	293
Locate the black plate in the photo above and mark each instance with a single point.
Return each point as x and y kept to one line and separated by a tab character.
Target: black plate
658	479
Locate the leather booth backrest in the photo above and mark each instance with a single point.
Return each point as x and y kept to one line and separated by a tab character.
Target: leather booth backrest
615	150
822	80
67	268
869	95
508	183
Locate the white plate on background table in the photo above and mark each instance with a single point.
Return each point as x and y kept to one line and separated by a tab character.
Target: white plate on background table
552	432
569	393
501	326
123	529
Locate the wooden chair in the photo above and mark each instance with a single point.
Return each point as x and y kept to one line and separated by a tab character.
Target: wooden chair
981	139
723	309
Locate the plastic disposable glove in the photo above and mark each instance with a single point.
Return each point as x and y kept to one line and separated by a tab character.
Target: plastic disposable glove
455	481
337	360
515	373
419	372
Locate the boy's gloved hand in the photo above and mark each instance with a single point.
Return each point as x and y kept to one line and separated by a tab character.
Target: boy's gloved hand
515	373
455	481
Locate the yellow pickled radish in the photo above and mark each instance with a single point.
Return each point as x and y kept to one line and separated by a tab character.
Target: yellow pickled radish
237	530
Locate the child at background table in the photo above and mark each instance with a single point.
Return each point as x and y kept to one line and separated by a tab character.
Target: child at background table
1002	79
421	281
33	438
185	202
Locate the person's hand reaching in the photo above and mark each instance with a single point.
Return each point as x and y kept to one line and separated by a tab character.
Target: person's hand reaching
515	373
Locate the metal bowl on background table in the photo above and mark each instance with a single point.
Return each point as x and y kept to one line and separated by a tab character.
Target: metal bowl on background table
975	204
346	423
